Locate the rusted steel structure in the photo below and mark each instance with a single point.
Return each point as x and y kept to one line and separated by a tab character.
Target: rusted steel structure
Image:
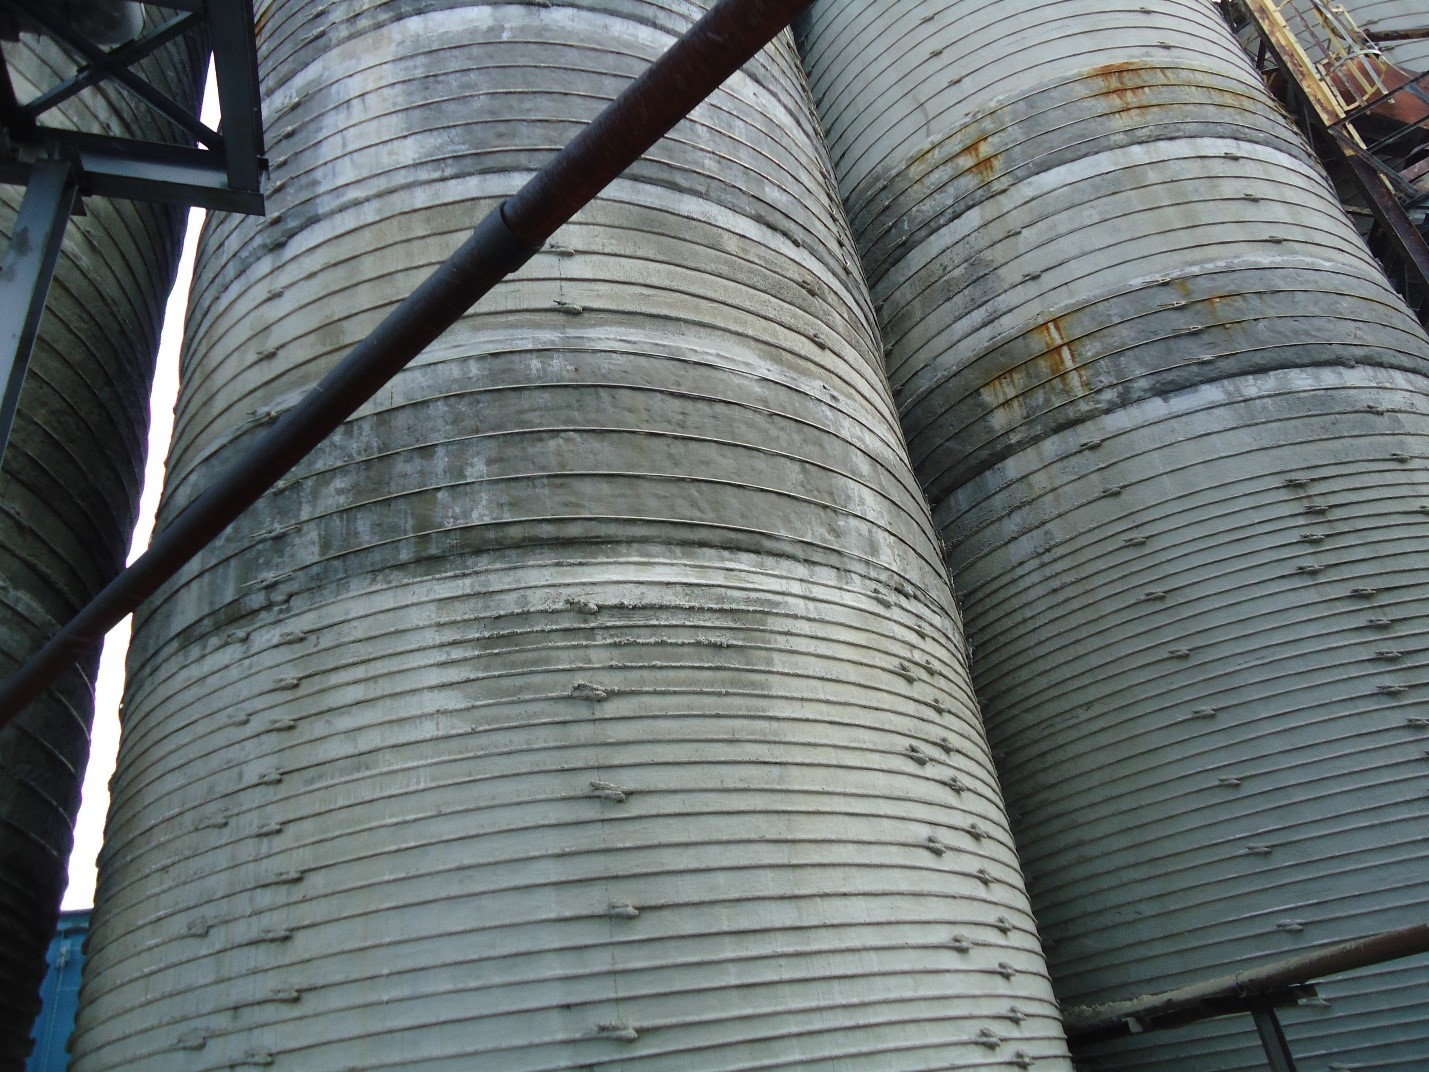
594	695
1175	428
1363	114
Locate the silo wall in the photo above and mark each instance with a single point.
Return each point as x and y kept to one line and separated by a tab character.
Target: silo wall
69	491
594	698
1397	17
1174	426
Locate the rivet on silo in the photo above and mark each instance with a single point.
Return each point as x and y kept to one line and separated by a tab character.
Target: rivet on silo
988	1038
608	791
619	1032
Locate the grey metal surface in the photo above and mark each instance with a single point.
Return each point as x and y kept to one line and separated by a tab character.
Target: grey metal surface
1173	422
68	492
594	698
1397	16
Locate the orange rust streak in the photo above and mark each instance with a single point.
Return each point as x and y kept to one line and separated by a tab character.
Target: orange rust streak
1055	365
982	160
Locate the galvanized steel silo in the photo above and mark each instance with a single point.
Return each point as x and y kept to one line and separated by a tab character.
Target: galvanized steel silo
1392	18
594	697
1175	428
69	490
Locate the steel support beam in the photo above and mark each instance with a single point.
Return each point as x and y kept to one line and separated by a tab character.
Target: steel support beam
1324	112
25	277
226	176
235	68
1272	1039
693	68
141	171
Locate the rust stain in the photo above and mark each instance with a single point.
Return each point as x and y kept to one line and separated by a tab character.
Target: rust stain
1055	367
260	21
1130	83
1126	83
981	159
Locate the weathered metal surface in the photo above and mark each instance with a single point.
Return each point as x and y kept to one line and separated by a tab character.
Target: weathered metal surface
594	696
1174	425
502	242
69	489
1400	27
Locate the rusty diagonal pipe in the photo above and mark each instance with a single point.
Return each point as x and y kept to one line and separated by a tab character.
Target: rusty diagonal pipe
1241	991
693	68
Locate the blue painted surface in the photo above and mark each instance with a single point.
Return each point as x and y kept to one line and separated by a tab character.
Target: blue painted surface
60	995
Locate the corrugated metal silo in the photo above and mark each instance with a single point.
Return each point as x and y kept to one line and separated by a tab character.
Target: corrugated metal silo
593	697
1391	18
69	491
1174	426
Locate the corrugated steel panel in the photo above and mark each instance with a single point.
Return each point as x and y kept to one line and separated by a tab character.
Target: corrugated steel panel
1173	422
1401	16
69	492
59	995
594	697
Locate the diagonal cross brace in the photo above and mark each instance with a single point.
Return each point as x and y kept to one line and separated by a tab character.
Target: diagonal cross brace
109	67
127	55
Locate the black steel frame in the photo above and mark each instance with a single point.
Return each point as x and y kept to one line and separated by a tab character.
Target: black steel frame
216	169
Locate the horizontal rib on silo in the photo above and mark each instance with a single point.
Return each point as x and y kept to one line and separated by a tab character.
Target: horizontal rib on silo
69	492
595	694
1170	416
1396	17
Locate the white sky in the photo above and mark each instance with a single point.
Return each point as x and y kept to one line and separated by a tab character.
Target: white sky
104	740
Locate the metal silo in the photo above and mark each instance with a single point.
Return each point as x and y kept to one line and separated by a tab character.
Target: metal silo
69	490
1400	27
1175	430
594	697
